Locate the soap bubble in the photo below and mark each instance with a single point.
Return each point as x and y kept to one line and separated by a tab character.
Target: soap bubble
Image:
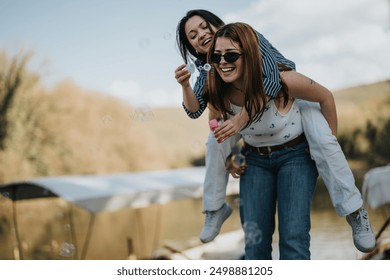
67	249
191	68
253	234
207	67
142	114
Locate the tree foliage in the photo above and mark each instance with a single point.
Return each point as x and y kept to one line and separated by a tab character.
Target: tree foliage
370	144
12	79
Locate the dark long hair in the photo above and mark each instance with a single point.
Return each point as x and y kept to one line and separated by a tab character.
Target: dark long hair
254	93
186	49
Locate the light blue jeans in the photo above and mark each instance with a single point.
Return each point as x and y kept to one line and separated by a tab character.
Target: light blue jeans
284	180
325	151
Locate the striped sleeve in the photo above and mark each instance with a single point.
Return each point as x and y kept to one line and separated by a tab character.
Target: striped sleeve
271	58
198	88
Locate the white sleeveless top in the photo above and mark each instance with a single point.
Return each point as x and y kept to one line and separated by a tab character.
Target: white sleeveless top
273	128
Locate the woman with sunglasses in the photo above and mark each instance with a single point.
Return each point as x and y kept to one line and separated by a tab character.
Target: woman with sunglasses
194	34
280	174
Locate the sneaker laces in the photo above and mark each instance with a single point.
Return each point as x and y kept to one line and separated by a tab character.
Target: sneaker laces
361	218
210	216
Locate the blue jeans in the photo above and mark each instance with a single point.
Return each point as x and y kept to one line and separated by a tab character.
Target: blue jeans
284	180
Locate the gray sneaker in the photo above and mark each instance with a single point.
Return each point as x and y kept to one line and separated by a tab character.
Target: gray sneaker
363	236
213	222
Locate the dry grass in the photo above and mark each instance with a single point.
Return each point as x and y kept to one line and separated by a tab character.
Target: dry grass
358	104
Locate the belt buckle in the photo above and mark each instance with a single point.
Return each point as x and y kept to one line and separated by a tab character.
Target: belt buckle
258	150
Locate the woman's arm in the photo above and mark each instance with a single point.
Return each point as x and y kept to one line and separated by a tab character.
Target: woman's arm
193	102
302	87
271	59
182	76
213	113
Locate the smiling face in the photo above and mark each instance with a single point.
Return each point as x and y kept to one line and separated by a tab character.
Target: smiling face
230	72
199	33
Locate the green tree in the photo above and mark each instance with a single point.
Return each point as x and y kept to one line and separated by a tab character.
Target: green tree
12	72
380	148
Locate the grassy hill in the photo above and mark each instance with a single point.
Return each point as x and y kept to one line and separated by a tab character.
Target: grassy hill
358	104
177	138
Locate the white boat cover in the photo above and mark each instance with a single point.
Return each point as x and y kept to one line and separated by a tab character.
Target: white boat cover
97	193
376	187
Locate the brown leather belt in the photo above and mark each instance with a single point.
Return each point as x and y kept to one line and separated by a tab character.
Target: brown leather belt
270	149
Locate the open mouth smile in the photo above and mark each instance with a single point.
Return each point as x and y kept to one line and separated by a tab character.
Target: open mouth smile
227	69
205	42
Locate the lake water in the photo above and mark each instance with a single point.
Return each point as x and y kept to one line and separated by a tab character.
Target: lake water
331	239
331	235
53	229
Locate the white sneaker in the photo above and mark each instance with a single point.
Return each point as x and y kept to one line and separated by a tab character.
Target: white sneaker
213	222
363	236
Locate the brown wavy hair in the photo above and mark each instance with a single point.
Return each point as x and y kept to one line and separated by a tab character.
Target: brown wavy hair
254	93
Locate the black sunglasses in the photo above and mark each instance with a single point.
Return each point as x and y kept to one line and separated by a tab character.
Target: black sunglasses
229	57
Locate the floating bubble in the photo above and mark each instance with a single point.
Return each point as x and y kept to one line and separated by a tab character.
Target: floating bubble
67	249
67	227
197	144
106	119
238	160
144	43
237	202
60	215
167	35
94	150
207	67
253	234
191	68
46	192
142	114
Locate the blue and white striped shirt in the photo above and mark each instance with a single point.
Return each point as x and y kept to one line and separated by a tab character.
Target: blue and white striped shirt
271	57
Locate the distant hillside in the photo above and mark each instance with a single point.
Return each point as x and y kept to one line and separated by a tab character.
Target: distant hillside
175	136
358	104
72	131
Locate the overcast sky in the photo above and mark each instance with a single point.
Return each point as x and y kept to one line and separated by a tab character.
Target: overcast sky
127	48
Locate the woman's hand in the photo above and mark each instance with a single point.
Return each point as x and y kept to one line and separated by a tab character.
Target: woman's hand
236	172
182	76
231	126
227	129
